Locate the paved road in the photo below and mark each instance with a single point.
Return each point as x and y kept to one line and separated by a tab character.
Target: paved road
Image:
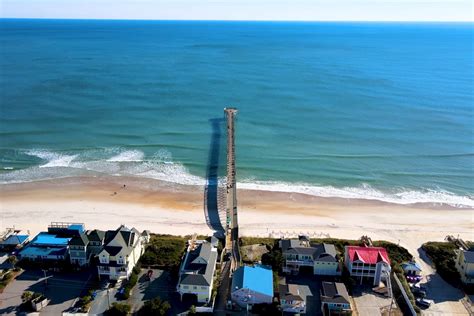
223	290
103	300
446	298
62	289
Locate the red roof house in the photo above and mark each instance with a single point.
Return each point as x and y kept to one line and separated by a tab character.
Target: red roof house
368	255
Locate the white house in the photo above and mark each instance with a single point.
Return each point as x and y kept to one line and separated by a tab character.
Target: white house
465	265
120	253
252	285
367	263
293	297
196	274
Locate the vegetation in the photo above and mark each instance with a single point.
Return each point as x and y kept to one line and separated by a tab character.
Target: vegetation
442	254
12	260
164	250
154	307
132	281
26	298
5	278
246	241
119	309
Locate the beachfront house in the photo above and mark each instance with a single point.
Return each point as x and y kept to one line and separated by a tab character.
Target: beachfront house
299	254
293	297
53	244
78	250
335	299
120	253
465	265
252	285
371	263
196	273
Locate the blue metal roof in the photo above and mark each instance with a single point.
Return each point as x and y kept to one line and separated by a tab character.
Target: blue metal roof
48	239
257	278
78	227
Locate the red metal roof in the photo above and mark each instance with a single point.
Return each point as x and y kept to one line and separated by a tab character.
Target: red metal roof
369	255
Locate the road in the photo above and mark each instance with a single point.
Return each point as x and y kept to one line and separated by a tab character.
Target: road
223	290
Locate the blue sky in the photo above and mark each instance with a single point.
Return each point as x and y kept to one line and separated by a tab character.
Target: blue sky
300	10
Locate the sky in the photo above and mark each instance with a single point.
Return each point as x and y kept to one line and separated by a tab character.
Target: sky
293	10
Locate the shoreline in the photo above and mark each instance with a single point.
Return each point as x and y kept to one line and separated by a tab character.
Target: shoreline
168	208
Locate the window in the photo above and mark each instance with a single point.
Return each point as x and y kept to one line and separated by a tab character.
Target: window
203	287
195	287
185	287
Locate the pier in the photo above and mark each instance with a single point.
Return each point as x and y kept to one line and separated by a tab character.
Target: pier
232	227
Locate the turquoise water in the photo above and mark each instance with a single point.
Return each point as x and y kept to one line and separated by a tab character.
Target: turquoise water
375	110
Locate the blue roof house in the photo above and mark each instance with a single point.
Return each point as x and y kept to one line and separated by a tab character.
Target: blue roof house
252	285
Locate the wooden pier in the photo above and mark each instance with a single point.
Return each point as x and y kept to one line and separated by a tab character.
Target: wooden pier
232	227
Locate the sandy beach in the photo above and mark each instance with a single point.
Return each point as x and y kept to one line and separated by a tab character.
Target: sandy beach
168	208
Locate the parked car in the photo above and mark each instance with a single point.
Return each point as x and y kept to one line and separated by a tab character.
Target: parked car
421	287
421	302
418	292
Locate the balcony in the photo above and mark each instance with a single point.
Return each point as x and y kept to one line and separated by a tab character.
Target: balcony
299	262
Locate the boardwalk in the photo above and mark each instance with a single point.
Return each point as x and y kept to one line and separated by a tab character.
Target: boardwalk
232	227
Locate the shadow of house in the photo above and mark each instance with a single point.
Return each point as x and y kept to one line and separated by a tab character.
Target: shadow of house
213	200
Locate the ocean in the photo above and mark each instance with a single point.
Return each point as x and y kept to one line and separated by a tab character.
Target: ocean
355	110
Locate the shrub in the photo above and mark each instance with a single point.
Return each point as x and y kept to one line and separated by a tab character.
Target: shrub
119	309
164	250
155	306
442	254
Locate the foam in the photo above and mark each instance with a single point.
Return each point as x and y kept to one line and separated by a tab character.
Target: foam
365	192
161	167
53	159
128	155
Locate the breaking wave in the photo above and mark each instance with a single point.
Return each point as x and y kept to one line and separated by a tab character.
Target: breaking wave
160	166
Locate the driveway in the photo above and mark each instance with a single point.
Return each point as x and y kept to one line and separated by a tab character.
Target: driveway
160	285
445	297
61	288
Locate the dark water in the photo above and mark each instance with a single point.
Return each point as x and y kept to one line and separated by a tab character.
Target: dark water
369	110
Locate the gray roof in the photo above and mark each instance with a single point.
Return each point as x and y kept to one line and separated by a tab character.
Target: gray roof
334	292
320	252
126	237
96	235
325	252
469	256
80	240
197	273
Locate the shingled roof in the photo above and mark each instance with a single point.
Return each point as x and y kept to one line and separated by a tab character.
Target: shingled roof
198	269
334	292
80	240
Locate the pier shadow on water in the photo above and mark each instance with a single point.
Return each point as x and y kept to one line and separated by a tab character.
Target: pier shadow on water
214	195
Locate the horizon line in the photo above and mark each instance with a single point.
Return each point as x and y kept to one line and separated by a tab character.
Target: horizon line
237	20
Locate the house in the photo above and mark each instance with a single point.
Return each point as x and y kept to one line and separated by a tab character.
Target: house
252	285
14	240
299	254
465	265
196	274
293	297
96	241
120	252
78	250
53	244
411	268
368	263
335	299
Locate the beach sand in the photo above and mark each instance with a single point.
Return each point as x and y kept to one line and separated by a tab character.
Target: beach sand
161	207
